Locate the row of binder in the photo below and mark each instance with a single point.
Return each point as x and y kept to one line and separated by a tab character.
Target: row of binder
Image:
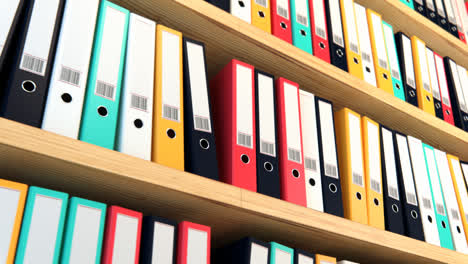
38	225
451	15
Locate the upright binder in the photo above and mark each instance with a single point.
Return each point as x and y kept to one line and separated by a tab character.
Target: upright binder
431	14
84	231
392	202
122	236
350	160
353	52
373	173
408	3
199	144
42	228
280	254
335	34
407	67
268	177
457	99
423	82
241	9
300	23
434	84
444	90
322	259
453	212
419	6
193	243
463	75
460	189
411	211
102	99
312	169
10	16
158	241
437	198
291	159
245	251
12	215
64	105
233	100
261	14
303	257
421	179
365	45
464	166
319	30
222	4
331	187
458	7
452	21
280	20
398	88
31	64
379	51
135	125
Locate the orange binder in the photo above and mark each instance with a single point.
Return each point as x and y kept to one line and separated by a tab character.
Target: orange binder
261	16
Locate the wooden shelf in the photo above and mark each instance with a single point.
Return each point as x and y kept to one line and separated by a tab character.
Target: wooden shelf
37	157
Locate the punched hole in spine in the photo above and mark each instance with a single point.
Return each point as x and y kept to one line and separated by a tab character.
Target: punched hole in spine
283	25
414	214
261	14
171	133
102	111
332	188
268	166
241	3
295	173
395	208
29	86
138	123
204	144
376	202
358	196
245	159
66	97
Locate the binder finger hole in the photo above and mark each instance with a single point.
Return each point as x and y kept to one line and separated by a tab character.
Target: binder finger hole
66	97
312	182
454	29
332	188
171	133
29	86
395	208
368	69
322	45
376	202
465	118
303	33
433	15
245	158
241	3
283	25
428	98
204	144
437	106
138	123
444	225
447	112
102	111
356	60
414	214
412	93
268	166
339	53
358	195
458	229
295	173
261	14
429	218
385	76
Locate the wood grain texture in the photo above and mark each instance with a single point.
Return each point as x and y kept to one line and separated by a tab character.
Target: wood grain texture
41	158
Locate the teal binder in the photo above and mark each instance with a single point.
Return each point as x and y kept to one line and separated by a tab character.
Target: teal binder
300	23
28	223
398	88
278	247
438	198
409	3
75	202
102	99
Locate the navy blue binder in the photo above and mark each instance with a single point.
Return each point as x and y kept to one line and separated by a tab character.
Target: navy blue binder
460	112
301	253
240	252
223	4
335	39
409	82
431	14
155	229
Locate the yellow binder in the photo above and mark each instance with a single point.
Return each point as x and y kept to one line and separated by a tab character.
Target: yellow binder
261	16
373	172
460	189
423	81
349	146
13	190
168	128
353	53
322	259
379	51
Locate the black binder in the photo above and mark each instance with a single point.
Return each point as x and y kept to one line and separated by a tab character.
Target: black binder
431	13
268	178
8	46
28	76
409	83
240	252
148	238
223	4
200	147
420	7
298	253
460	116
452	25
337	51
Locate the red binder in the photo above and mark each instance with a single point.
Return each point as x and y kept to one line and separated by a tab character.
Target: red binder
290	142
281	20
119	218
319	30
233	101
444	91
196	238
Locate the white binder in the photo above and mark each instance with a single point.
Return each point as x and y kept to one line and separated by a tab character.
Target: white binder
465	170
242	9
365	44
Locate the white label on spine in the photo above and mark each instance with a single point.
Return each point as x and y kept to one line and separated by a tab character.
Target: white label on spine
421	49
7	14
282	8
365	44
442	80
457	15
434	178
125	239
302	259
258	254
163	243
327	131
39	36
45	221
419	2
450	12
337	27
458	86
433	74
244	112
390	166
282	257
351	26
391	50
85	235
460	183
171	76
309	132
293	123
197	246
302	12
8	207
379	41
263	3
440	7
430	5
406	169
319	18
199	87
409	66
355	138
464	84
374	157
266	109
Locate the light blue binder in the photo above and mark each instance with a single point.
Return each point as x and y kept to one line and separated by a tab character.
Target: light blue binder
300	23
409	3
278	247
398	88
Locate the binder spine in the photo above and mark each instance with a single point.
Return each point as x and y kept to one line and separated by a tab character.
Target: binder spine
335	34
300	22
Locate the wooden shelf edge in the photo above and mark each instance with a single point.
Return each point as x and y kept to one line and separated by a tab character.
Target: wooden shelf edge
34	156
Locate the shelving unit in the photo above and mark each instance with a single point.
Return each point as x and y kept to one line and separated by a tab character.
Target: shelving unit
37	157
